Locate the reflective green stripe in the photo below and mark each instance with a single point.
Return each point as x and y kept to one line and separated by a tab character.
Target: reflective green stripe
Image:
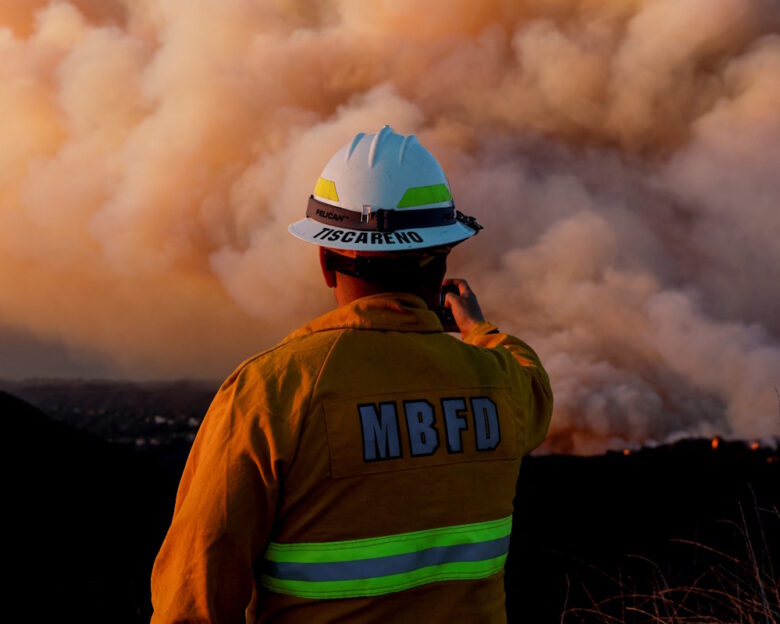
391	563
401	543
385	584
419	195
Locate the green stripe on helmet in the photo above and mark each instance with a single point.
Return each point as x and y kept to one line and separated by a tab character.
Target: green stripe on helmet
420	195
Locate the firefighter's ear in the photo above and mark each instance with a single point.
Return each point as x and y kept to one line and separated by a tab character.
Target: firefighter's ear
328	274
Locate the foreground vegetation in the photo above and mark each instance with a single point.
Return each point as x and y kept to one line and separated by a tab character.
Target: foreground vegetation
738	586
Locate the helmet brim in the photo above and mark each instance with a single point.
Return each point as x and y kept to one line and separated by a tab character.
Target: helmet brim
331	236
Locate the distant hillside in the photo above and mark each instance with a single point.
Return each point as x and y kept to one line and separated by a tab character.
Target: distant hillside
157	419
95	479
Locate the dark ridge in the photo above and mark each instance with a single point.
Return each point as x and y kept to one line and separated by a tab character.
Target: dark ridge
84	519
590	528
87	516
155	419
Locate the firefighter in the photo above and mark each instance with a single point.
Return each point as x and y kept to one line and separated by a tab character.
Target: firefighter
364	469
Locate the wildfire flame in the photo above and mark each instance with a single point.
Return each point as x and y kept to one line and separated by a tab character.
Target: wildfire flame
715	443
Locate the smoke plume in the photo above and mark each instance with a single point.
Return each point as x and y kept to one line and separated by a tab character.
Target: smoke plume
623	156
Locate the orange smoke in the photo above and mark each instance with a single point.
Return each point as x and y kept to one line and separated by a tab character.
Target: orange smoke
625	164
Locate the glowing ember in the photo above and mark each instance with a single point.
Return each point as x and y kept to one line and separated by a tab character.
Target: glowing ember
715	442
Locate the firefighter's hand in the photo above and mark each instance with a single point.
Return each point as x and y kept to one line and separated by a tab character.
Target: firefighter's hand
465	307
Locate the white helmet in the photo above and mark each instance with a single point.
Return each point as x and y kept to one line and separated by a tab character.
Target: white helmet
383	192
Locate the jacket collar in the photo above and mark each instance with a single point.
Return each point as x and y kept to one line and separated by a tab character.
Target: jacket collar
386	311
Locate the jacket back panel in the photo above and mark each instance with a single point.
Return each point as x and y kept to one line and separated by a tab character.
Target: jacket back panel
404	432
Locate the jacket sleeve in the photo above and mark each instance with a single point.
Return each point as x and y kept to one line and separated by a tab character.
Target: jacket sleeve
538	399
224	511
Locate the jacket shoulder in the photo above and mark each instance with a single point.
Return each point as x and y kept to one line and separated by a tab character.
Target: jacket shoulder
295	360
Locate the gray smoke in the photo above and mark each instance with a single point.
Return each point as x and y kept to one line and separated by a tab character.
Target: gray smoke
623	156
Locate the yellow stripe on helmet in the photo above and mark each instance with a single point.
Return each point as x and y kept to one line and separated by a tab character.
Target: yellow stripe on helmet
326	189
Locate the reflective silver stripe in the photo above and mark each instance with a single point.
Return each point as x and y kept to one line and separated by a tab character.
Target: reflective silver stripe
391	563
385	566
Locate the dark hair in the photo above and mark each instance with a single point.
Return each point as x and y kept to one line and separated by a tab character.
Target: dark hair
397	272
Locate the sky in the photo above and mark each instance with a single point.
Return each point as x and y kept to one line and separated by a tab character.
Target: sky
623	156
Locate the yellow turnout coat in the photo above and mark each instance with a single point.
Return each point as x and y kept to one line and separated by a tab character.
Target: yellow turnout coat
363	470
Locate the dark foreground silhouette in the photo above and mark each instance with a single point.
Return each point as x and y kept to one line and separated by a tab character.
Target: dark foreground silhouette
84	521
87	516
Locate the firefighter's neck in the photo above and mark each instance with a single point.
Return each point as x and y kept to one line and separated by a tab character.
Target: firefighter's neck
347	289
